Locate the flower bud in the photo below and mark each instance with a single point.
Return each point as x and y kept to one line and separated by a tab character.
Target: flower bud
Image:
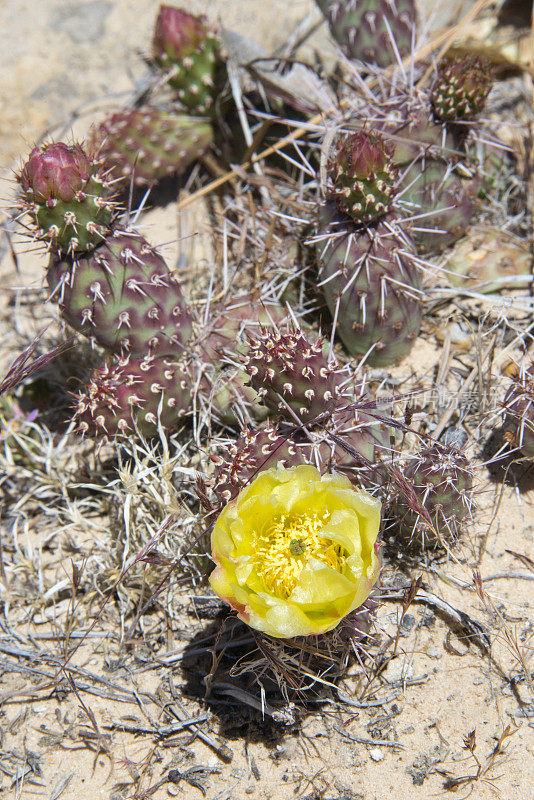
55	172
177	34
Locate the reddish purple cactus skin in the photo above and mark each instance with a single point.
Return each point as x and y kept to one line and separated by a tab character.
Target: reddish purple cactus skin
251	453
177	33
129	393
124	296
292	374
363	176
55	172
461	87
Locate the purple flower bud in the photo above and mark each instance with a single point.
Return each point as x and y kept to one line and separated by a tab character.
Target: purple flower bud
177	33
55	172
363	154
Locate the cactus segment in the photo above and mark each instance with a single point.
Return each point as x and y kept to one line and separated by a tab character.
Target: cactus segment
134	393
364	29
184	46
124	297
519	412
371	288
445	202
253	452
150	144
461	87
291	374
363	176
67	196
442	480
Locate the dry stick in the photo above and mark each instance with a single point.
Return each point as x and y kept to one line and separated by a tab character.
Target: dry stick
467	383
447	37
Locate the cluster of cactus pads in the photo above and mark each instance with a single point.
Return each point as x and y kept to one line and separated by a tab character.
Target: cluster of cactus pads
247	358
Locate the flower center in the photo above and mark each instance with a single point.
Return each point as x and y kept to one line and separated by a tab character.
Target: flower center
284	547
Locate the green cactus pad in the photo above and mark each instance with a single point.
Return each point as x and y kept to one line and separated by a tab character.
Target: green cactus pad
371	287
67	196
124	297
186	49
149	144
462	84
362	28
442	482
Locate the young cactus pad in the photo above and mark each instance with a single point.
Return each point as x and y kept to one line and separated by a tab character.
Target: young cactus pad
442	481
461	87
292	375
184	46
67	196
124	297
363	176
150	144
134	393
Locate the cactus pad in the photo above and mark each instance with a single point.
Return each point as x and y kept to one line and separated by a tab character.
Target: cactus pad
363	176
442	481
124	297
371	287
134	393
66	195
292	374
362	28
184	46
461	87
149	143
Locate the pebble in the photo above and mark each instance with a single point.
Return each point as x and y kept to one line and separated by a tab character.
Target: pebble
376	754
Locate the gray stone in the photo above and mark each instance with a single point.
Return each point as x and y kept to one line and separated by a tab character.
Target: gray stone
82	22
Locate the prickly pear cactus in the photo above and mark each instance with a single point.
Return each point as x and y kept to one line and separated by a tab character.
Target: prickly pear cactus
129	394
442	481
291	374
251	453
149	144
123	296
519	412
442	202
363	176
364	29
66	194
371	287
461	87
184	46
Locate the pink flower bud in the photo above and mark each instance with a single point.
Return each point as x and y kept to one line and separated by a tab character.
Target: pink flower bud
362	154
177	33
55	172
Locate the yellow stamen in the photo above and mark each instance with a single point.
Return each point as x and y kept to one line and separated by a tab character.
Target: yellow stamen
282	550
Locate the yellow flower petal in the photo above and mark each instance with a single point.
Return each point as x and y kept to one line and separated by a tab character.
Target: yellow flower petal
295	551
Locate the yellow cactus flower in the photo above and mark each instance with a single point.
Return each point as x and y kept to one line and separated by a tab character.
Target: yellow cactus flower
295	551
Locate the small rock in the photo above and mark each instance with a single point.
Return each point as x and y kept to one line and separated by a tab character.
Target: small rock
82	22
376	754
432	650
